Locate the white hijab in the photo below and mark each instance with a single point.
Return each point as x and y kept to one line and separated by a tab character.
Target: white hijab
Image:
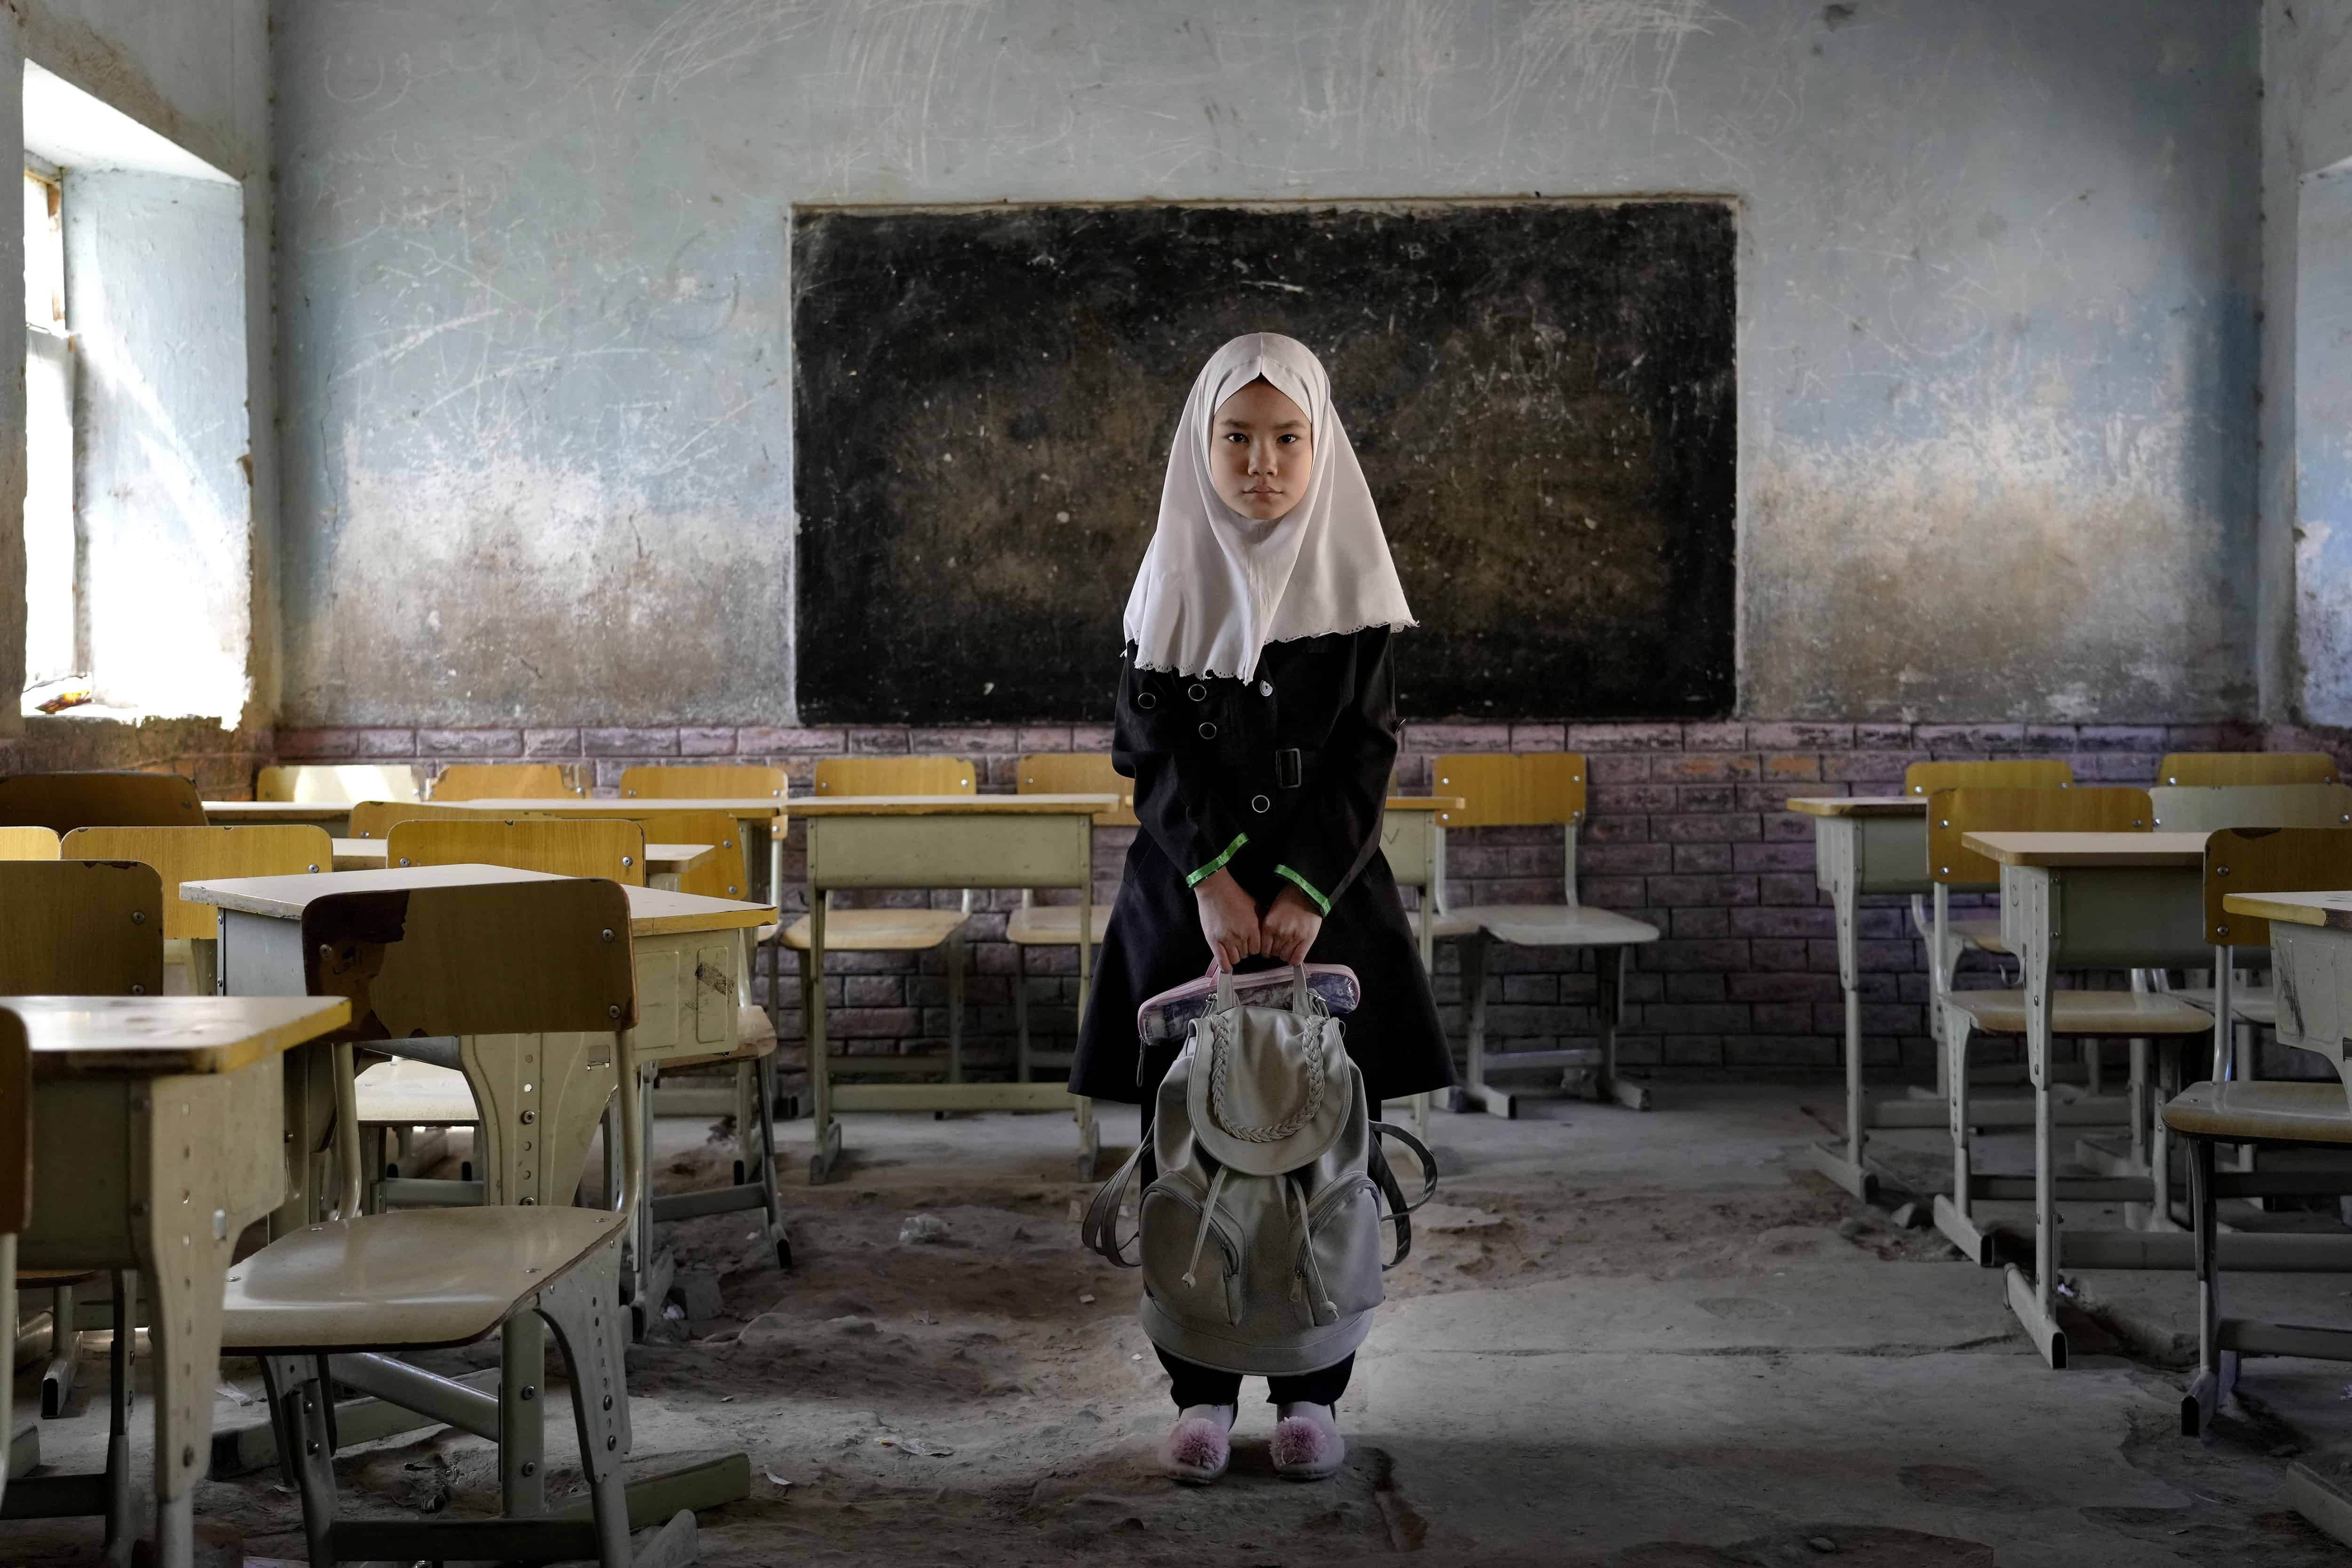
1215	587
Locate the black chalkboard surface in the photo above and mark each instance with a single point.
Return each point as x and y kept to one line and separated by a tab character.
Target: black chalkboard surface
1541	394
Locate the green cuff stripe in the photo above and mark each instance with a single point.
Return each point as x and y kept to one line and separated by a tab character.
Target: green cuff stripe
1217	865
1305	886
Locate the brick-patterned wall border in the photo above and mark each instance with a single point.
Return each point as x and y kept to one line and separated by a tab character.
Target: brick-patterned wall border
221	762
1686	830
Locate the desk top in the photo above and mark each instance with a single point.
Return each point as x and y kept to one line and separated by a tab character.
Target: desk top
2333	910
1859	804
232	813
152	1037
954	804
667	859
743	808
2089	848
652	911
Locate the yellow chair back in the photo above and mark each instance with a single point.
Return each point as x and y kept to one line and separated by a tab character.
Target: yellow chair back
503	781
1079	773
2018	773
896	775
1503	789
2269	861
336	784
63	802
28	844
703	781
2246	768
607	848
80	928
202	855
725	875
1953	814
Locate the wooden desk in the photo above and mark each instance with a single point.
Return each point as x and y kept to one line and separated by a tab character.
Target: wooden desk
761	817
335	816
1864	844
2311	954
157	1137
940	841
691	974
2089	900
665	863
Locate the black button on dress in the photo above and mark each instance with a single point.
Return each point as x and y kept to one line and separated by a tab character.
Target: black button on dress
1280	779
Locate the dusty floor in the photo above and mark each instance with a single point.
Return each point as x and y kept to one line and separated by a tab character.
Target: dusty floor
1622	1339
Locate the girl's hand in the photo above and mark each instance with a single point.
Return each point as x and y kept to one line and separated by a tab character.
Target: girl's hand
1291	926
1228	918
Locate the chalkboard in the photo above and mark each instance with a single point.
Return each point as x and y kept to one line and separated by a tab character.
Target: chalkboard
1541	394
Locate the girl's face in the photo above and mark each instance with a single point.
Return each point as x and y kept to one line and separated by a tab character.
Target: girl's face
1260	452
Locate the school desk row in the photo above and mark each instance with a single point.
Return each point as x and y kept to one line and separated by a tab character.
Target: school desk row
156	1126
536	1113
2090	879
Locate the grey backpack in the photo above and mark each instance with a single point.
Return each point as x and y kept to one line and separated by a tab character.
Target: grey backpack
1260	1236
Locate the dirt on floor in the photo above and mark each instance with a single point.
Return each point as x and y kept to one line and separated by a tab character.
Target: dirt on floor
985	1396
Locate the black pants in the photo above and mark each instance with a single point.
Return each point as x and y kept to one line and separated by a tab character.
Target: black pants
1189	1383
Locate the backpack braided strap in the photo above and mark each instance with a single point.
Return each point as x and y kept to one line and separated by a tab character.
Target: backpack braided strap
1224	1026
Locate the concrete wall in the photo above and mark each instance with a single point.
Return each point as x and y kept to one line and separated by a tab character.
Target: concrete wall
193	71
2305	644
1998	274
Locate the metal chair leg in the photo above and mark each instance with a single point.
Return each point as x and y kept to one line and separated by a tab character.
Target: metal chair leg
763	1077
1954	1215
955	1007
65	1345
578	1308
522	1420
1020	1071
301	1401
121	1529
2210	1384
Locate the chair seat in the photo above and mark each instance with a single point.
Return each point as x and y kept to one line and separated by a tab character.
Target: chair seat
1051	925
50	1278
405	1093
408	1280
1450	923
2254	1006
2086	1013
879	930
1978	935
1557	925
2294	1112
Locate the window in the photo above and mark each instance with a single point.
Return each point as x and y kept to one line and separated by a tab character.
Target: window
139	508
53	668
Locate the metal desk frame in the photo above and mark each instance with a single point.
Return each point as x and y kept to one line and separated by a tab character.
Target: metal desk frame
940	841
154	1169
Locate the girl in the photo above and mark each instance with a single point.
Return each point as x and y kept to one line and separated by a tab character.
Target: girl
1257	717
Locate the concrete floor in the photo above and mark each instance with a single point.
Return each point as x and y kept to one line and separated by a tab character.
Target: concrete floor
1622	1338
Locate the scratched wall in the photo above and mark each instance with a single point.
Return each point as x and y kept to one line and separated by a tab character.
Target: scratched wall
1998	271
2305	650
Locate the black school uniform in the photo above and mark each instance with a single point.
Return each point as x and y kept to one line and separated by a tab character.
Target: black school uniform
1279	779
